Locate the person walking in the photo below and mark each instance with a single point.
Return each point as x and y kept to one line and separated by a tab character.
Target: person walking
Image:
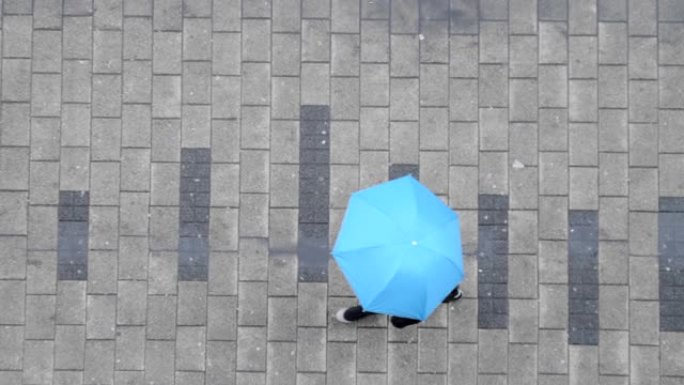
355	313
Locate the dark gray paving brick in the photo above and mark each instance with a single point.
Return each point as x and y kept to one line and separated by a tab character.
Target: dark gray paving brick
671	263
73	235
492	261
583	277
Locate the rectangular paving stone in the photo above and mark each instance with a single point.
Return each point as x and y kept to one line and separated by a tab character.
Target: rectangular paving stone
644	364
130	348
71	303
159	361
190	348
670	263
39	361
251	349
553	86
69	347
221	318
161	317
72	249
642	101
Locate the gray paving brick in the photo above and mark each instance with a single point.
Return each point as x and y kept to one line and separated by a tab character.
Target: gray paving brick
15	258
403	135
71	303
14	213
583	364
255	40
670	136
41	272
612	89
46	101
166	54
644	323
17	128
137	82
106	139
192	303
285	309
39	362
642	242
642	101
161	317
463	55
431	345
613	178
643	145
344	16
137	38
187	378
226	53
101	311
463	99
522	56
130	348
523	17
586	196
17	7
612	130
374	128
17	36
104	227
286	54
464	370
671	11
106	96
493	10
16	76
434	46
341	363
583	100
255	84
553	42
252	303
523	100
44	140
613	307
344	101
404	55
493	85
102	265
311	351
371	351
523	363
492	356
434	171
670	183
131	305
639	268
14	167
553	86
374	44
582	17
285	98
582	56
522	233
671	79
315	40
195	126
221	359
373	168
11	347
225	101
166	97
107	51
493	173
99	362
77	37
553	306
190	348
613	217
613	263
75	124
434	89
104	183
159	361
612	43
46	14
15	302
553	351
163	270
47	51
223	273
251	349
69	347
402	363
280	363
523	320
644	365
464	17
286	16
612	10
221	320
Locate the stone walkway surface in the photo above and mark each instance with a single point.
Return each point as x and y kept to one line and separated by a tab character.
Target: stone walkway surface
173	174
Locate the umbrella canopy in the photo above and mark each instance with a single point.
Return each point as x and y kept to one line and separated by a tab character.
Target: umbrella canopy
399	248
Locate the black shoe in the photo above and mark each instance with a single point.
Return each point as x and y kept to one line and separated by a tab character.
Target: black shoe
351	314
455	295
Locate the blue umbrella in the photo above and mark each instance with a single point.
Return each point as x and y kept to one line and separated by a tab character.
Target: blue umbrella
399	248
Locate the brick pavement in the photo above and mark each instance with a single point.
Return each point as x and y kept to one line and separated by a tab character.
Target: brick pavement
172	173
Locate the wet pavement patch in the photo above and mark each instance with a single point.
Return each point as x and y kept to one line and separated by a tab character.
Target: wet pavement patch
583	279
72	246
492	262
195	187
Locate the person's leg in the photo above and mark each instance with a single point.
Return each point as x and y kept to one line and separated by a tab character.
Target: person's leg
401	322
351	314
455	295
